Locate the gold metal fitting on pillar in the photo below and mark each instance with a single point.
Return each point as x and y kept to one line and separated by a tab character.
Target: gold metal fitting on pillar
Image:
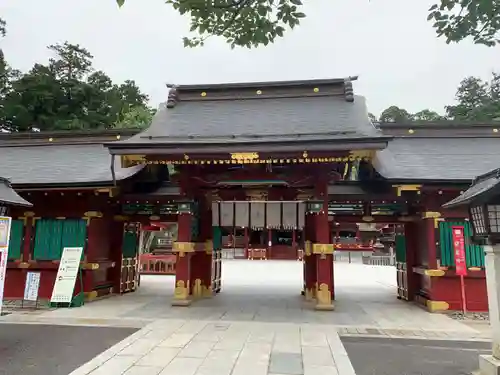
197	289
324	298
323	249
308	248
209	246
181	294
436	216
89	215
27	215
183	247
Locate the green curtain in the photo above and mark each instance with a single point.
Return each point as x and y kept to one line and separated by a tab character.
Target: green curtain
474	254
129	248
43	233
16	239
52	235
74	234
400	241
217	237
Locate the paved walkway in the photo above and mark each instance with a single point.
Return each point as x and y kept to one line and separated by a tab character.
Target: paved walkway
259	324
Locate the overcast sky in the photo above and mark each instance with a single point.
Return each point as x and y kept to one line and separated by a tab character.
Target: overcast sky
388	43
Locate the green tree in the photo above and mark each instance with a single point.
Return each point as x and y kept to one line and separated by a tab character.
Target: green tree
3	27
459	19
427	115
33	101
395	114
68	94
472	97
139	117
251	23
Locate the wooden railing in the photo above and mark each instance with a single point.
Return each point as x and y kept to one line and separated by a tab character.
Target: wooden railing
379	260
257	254
157	264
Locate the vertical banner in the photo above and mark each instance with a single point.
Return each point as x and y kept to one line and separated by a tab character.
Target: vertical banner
66	275
5	223
460	260
459	250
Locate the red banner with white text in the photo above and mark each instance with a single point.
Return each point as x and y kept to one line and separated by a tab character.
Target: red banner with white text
459	250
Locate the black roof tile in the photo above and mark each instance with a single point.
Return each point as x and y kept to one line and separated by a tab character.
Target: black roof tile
484	187
9	196
438	159
56	164
268	120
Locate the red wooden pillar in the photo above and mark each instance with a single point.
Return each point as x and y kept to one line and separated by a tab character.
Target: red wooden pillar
269	244
324	260
29	231
94	245
310	267
184	248
201	262
411	236
116	249
247	242
429	222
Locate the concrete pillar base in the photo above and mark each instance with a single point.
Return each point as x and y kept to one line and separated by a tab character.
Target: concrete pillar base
488	365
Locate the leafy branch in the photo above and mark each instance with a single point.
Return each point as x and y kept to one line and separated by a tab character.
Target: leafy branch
458	19
251	23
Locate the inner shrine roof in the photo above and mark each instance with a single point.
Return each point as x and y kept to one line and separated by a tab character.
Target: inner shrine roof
260	113
443	151
60	164
9	196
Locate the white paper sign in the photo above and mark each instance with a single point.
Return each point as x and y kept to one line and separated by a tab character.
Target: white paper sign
32	286
66	275
4	253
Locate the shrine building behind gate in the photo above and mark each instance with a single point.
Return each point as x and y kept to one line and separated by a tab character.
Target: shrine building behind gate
269	160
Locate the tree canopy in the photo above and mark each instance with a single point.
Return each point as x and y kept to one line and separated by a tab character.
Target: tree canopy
476	100
251	23
68	93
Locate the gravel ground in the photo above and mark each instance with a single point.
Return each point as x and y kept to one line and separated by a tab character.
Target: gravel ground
29	349
458	315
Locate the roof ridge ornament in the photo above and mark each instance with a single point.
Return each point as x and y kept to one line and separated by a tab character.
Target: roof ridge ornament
348	90
173	96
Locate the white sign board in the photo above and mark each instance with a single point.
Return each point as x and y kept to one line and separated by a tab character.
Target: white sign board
66	275
5	223
32	286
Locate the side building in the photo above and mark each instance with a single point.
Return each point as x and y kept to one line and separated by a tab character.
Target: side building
67	178
437	162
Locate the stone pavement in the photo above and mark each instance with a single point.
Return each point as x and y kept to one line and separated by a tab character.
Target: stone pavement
173	347
259	324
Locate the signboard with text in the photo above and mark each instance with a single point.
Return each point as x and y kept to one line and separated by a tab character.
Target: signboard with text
459	250
5	223
32	286
66	275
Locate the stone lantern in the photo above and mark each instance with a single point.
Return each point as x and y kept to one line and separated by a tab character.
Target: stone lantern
483	202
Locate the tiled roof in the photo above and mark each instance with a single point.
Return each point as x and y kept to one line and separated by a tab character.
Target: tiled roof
284	113
438	159
9	196
485	187
60	164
